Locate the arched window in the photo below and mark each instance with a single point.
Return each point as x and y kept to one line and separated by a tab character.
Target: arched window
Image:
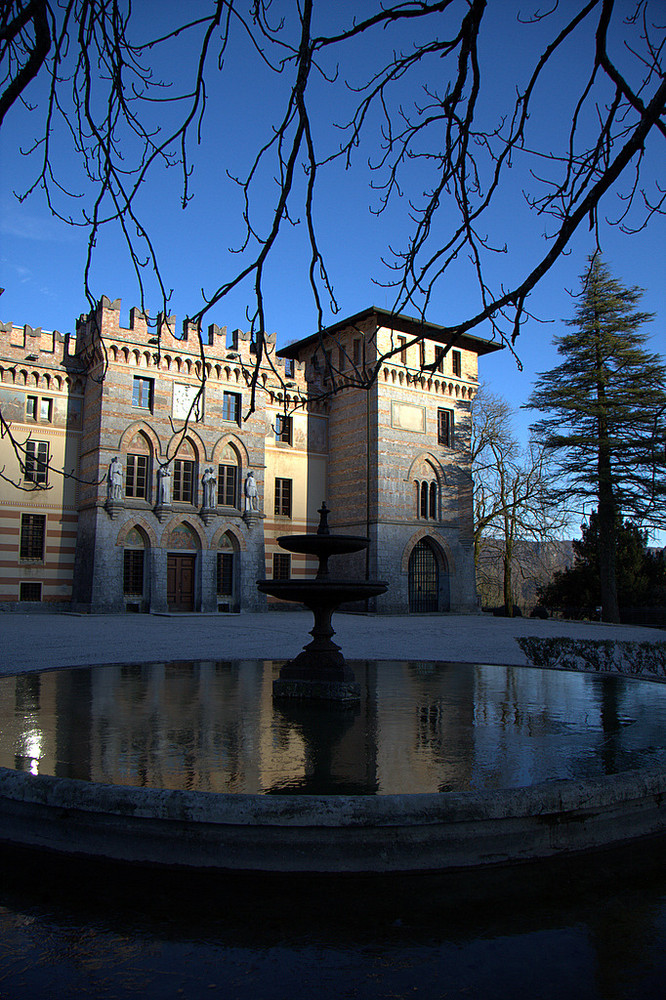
228	477
427	500
184	474
432	510
226	567
138	468
134	564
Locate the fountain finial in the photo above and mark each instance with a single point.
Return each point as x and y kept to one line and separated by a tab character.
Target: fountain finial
323	512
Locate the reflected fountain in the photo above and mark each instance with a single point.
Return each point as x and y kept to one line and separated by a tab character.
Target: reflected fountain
320	671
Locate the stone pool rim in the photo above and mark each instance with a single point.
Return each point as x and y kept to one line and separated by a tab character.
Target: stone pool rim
322	834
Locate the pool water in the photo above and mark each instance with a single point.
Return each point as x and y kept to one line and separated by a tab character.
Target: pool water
419	727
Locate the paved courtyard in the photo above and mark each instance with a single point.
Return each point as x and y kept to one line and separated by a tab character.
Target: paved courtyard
41	641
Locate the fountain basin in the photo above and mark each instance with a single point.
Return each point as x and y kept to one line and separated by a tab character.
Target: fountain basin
440	767
354	834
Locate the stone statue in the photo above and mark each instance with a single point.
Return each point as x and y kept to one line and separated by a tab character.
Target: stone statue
209	482
250	492
164	485
115	479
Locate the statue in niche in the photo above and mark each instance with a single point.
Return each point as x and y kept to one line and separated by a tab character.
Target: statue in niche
209	482
115	479
251	503
164	485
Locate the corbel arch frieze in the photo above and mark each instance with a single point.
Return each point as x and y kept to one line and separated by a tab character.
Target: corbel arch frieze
438	543
139	426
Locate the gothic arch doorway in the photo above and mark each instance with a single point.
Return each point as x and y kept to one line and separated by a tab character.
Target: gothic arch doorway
428	576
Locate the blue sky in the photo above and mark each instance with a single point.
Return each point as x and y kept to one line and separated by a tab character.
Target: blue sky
42	259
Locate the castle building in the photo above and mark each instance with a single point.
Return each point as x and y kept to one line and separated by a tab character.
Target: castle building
146	473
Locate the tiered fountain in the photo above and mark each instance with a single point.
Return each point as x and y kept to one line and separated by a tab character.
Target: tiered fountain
320	670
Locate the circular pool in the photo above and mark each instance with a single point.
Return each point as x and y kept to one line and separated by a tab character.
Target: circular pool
439	766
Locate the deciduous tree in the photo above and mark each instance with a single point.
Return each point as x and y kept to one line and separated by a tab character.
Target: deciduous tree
513	500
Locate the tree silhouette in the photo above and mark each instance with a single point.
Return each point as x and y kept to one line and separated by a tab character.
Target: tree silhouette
606	416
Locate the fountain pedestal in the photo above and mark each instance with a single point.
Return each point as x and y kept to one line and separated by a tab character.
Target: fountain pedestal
320	671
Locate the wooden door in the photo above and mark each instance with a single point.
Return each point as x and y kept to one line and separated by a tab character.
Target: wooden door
180	581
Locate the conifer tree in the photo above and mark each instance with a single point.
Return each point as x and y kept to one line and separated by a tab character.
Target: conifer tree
606	415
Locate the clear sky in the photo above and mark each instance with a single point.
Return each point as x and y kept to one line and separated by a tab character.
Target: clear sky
42	259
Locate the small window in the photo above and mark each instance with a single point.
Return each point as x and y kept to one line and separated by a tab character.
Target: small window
424	500
136	477
402	344
289	367
432	512
133	572
31	407
142	392
36	462
439	358
227	485
231	407
281	566
356	351
45	410
225	574
30	592
445	428
283	497
283	428
342	359
33	532
183	481
456	363
422	353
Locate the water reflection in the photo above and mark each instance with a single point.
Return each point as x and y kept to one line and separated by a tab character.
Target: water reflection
426	727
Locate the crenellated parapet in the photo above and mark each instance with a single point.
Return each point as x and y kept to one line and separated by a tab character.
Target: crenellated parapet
159	344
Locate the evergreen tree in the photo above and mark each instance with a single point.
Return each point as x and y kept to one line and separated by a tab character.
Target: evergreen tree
641	573
606	406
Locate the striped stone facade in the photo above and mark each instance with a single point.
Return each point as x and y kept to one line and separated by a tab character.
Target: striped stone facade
156	445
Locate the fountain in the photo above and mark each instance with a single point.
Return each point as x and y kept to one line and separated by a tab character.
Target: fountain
320	671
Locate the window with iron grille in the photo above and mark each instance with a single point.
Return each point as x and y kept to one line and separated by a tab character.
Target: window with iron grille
142	392
133	572
281	565
456	362
33	533
283	497
136	477
283	428
227	485
225	573
183	481
445	428
231	406
30	592
36	462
